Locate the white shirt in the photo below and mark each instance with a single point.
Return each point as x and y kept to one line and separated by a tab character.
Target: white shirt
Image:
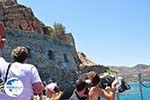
27	73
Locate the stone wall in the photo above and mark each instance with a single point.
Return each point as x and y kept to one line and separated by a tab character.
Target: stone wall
55	60
8	3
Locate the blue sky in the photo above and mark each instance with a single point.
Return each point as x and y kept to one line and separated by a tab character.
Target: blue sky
109	32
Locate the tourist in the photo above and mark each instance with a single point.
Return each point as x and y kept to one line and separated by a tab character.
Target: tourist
53	91
79	92
95	92
25	73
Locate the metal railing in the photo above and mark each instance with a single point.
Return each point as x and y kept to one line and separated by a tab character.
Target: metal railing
139	93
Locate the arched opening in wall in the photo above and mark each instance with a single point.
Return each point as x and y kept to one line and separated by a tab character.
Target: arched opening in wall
51	54
66	58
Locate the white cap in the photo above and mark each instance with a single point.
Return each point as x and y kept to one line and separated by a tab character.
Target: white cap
51	86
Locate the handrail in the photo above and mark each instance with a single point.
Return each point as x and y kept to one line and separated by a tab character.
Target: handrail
144	85
141	84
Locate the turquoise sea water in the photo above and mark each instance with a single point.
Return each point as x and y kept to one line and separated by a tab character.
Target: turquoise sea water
134	92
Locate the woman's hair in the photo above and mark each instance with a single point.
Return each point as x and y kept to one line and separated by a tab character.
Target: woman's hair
95	80
19	54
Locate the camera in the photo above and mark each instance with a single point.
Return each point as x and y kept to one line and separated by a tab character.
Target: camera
107	81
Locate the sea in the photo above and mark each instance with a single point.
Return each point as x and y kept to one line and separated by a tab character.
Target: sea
134	92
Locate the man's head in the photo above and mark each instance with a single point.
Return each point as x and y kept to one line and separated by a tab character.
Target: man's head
19	54
80	85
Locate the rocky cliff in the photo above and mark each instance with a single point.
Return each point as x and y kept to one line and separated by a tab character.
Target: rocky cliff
18	16
87	65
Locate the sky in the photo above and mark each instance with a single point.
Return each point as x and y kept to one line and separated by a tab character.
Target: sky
109	32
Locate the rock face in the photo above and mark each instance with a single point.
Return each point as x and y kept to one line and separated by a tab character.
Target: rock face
87	65
84	60
55	60
18	16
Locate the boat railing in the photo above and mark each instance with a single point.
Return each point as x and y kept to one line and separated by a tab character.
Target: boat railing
140	90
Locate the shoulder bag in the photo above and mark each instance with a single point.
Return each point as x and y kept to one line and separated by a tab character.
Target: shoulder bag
3	82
